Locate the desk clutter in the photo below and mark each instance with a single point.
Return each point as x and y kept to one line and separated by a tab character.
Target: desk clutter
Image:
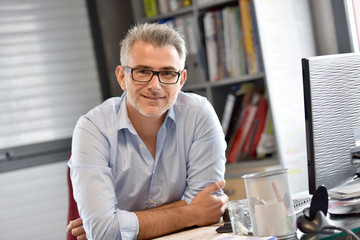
317	216
314	220
299	204
345	199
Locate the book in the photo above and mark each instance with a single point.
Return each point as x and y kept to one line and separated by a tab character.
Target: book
246	24
234	47
173	5
221	46
228	48
163	6
241	51
229	105
252	140
170	21
246	122
267	145
190	34
256	37
150	8
243	96
210	45
186	3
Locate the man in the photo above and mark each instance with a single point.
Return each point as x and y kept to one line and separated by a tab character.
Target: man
152	161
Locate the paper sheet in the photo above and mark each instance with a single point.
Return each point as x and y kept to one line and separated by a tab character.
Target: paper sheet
201	233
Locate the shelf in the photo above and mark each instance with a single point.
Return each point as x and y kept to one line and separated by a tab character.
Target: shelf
224	82
215	4
231	81
236	170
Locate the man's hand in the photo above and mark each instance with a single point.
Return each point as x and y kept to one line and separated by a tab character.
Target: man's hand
76	229
208	208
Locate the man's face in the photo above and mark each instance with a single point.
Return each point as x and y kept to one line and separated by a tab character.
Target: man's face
151	99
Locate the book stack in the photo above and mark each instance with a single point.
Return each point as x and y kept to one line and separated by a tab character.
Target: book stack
247	125
232	42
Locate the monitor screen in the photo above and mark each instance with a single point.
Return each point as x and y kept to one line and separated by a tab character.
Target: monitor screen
332	113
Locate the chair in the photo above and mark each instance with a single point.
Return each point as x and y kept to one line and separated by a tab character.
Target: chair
73	212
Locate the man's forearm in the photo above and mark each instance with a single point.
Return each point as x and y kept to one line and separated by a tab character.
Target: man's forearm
170	205
204	209
164	220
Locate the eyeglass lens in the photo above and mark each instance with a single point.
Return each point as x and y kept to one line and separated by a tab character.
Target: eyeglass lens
144	75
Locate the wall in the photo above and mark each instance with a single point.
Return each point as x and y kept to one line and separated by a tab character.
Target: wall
115	17
34	202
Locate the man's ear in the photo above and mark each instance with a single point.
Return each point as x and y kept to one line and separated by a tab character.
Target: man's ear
120	76
183	78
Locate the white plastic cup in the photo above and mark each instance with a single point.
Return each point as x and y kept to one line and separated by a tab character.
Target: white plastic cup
270	204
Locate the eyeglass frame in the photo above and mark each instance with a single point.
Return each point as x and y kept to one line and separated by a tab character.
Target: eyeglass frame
129	69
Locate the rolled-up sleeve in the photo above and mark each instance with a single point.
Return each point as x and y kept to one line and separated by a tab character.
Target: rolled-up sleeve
206	163
93	186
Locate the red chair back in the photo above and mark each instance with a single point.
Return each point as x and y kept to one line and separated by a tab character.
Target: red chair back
73	212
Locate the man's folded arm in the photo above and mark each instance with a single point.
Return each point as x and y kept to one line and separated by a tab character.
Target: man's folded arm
204	209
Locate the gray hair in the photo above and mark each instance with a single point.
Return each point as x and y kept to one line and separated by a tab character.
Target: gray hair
159	35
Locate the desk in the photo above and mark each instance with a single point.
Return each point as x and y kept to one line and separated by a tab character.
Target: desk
199	233
209	233
205	233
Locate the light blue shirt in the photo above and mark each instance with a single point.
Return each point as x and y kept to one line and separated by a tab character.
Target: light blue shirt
114	174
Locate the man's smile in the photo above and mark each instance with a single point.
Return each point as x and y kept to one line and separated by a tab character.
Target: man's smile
154	98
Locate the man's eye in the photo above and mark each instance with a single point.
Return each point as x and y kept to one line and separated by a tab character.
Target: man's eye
167	74
143	71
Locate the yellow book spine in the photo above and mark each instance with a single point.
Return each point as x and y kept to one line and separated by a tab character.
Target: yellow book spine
150	7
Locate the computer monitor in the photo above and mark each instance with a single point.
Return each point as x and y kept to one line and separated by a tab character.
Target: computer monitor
332	114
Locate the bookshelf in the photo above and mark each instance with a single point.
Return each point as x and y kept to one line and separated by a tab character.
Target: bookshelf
232	70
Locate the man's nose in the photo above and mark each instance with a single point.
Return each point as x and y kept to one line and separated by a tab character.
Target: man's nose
155	82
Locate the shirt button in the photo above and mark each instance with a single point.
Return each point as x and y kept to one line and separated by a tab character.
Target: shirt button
141	145
151	201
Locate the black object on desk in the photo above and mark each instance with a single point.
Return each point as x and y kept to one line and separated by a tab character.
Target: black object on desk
226	228
314	221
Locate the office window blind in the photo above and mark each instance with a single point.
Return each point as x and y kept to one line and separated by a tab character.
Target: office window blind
48	71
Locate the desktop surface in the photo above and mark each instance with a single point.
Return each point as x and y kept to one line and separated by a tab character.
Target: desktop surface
209	232
351	221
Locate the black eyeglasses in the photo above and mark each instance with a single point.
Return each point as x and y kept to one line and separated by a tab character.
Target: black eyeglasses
145	75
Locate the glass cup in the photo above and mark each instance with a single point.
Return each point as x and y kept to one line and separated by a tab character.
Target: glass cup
239	216
270	204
